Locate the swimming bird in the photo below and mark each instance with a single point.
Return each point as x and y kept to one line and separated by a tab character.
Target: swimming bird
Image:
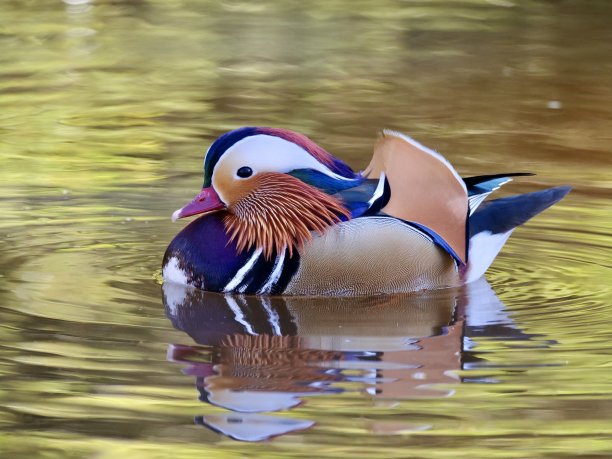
281	215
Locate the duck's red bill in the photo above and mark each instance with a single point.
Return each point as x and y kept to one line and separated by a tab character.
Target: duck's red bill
206	201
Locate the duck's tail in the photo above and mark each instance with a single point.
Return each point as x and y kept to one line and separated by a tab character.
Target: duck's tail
492	223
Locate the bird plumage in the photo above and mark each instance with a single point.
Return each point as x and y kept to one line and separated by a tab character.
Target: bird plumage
279	211
283	216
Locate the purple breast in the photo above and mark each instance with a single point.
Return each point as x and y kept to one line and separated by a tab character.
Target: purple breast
202	253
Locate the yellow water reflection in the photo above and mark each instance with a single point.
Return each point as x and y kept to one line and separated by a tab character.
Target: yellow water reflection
106	109
270	354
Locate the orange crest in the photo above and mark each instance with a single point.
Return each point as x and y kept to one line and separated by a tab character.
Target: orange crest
278	211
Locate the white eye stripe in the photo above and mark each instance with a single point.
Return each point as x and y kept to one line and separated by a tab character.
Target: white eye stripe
265	153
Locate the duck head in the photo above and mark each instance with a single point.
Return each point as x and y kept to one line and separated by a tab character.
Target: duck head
274	186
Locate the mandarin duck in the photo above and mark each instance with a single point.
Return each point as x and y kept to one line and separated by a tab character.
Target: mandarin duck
281	215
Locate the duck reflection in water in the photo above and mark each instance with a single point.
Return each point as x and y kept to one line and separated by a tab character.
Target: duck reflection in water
259	354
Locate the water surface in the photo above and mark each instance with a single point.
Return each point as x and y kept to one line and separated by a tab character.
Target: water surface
106	110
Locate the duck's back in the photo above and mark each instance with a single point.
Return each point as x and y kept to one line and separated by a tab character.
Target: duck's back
371	255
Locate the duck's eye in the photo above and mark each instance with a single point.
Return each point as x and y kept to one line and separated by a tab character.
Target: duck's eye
244	172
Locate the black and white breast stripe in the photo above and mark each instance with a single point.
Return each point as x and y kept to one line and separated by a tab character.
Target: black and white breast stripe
380	197
261	276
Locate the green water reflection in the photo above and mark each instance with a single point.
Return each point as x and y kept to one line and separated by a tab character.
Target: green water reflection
106	108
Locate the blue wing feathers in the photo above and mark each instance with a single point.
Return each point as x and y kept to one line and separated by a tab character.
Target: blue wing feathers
497	216
481	186
358	194
502	215
487	183
325	183
436	239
